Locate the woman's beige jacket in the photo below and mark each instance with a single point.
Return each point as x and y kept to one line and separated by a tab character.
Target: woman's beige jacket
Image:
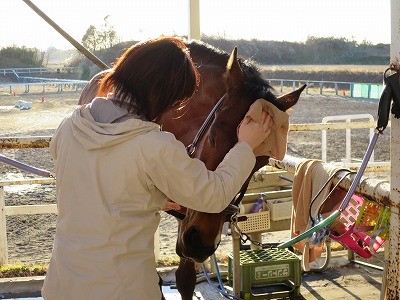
113	178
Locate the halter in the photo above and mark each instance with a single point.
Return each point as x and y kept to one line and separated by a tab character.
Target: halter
192	147
232	208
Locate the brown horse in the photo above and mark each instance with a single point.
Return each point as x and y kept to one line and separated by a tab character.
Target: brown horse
239	83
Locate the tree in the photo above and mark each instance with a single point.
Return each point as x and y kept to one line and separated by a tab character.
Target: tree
103	38
20	57
48	55
91	38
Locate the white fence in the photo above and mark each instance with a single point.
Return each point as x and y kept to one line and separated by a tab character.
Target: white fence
347	119
322	87
58	85
28	84
19	210
338	88
373	190
42	70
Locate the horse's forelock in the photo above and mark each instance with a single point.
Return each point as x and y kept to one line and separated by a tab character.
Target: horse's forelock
256	86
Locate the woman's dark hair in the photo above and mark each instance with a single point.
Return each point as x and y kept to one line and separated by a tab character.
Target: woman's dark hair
153	76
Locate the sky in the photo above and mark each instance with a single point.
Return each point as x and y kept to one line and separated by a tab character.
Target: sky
279	20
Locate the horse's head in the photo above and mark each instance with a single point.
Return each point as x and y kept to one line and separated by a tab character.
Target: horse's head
200	233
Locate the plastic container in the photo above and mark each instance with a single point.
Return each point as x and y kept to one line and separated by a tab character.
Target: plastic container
281	208
254	222
267	273
383	222
368	217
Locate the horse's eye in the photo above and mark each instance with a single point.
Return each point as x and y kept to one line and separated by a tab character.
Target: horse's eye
211	138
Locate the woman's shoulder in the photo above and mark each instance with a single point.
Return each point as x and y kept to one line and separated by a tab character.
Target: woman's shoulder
161	137
162	140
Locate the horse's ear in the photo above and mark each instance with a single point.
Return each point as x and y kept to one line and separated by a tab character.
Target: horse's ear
234	74
290	99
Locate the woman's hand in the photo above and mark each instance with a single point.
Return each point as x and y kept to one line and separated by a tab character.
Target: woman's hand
254	133
171	205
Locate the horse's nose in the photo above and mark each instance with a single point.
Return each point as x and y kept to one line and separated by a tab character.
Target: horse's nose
195	247
192	238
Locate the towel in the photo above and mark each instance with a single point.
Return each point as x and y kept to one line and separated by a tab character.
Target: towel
309	178
275	145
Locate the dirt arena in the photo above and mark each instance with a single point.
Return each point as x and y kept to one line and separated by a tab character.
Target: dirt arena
30	238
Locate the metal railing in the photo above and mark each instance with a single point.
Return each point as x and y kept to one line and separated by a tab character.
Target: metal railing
41	87
41	70
338	88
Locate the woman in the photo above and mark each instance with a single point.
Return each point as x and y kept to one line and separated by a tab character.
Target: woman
115	169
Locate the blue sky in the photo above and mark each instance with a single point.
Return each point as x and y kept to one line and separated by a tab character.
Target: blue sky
290	20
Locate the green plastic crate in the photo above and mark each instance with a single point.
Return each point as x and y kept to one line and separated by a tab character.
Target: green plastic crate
267	273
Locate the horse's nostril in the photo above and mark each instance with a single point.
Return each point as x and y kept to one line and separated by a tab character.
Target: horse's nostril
194	246
191	236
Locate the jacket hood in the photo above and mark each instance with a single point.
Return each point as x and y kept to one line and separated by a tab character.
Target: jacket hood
102	124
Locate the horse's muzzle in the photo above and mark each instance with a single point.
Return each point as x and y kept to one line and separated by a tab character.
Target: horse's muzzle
192	246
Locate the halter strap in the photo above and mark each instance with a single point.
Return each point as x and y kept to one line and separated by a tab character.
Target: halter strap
232	208
192	147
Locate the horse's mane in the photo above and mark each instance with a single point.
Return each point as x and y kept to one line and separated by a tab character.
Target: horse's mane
207	54
255	85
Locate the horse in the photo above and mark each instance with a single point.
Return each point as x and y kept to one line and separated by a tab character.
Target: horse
207	125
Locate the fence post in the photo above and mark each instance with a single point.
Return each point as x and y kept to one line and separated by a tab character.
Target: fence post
391	288
320	88
336	89
3	233
369	91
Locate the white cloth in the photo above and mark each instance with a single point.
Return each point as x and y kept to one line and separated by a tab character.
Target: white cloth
112	180
276	143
